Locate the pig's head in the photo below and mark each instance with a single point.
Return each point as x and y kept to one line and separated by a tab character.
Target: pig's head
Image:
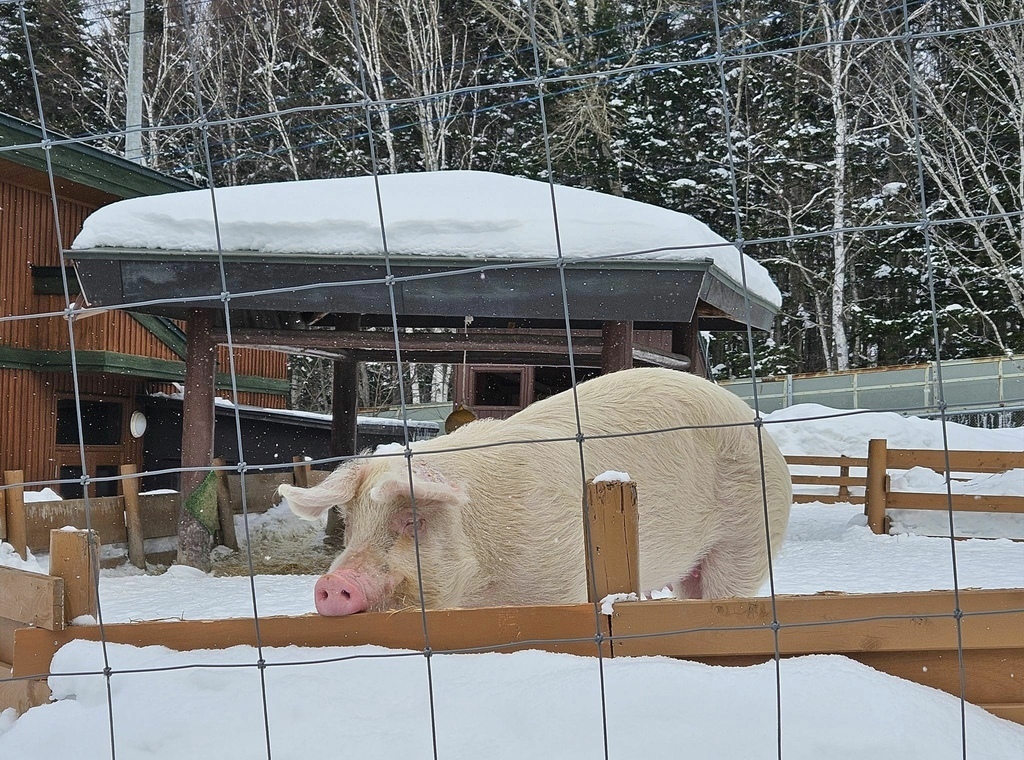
386	513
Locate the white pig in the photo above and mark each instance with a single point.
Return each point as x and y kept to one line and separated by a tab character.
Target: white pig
502	524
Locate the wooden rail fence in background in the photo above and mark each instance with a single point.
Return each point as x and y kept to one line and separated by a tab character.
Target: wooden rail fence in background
878	496
132	518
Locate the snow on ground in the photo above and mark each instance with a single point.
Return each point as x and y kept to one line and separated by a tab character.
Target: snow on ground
374	704
536	704
477	215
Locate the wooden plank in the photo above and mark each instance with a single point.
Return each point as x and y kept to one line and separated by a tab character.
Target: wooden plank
3	514
106	515
959	461
32	598
7	629
807	498
827	461
132	516
75	557
224	512
829	480
961	502
614	522
260	489
300	473
504	629
16	520
852	623
22	694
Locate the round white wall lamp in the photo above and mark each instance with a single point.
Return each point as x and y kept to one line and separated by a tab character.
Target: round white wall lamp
137	424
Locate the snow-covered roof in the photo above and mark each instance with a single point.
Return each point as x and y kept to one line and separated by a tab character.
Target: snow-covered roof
466	214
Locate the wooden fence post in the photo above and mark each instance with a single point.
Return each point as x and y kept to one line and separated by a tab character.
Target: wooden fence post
844	490
133	515
875	496
3	514
17	530
225	514
75	557
615	538
300	474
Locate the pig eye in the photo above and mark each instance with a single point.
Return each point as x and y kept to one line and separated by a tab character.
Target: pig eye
412	527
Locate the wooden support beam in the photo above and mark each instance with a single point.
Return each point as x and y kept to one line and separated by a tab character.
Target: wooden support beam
133	515
344	413
877	484
686	341
195	539
225	513
616	346
75	557
301	473
614	521
17	528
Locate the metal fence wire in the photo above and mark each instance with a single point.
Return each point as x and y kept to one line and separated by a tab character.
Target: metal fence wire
534	83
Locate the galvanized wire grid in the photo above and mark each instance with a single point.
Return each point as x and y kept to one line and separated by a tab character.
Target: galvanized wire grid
542	83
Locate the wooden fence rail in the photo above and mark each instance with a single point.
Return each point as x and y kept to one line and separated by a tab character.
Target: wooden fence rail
132	517
878	496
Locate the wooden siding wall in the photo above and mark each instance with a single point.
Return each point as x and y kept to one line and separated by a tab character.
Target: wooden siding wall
28	428
28	238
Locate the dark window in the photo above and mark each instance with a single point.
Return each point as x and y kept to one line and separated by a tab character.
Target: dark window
497	389
47	281
71	490
101	423
106	487
547	381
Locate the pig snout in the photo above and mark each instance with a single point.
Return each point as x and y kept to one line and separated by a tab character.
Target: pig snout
342	592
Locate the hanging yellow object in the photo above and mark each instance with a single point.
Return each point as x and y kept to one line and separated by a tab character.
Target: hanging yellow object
459	417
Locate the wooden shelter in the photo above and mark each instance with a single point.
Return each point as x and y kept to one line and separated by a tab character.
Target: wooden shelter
294	264
119	354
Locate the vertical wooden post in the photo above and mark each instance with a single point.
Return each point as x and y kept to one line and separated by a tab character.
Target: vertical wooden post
75	557
3	514
875	499
133	515
616	346
844	490
195	537
686	342
300	474
17	532
225	513
615	537
344	420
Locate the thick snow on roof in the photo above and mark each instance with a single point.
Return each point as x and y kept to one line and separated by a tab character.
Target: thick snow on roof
475	215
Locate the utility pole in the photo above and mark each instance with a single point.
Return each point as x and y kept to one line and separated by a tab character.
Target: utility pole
133	88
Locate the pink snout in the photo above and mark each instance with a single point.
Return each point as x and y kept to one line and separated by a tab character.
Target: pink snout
340	593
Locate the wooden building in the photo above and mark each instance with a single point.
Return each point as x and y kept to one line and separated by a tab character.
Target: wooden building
119	355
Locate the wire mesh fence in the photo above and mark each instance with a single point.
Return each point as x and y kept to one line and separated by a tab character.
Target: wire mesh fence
567	94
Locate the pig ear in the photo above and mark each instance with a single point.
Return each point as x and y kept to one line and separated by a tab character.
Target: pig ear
336	490
435	491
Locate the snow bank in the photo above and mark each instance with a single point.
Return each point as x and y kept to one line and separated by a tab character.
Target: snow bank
815	430
527	704
477	215
11	558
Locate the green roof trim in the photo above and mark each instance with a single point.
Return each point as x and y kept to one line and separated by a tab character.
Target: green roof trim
128	364
82	163
164	330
